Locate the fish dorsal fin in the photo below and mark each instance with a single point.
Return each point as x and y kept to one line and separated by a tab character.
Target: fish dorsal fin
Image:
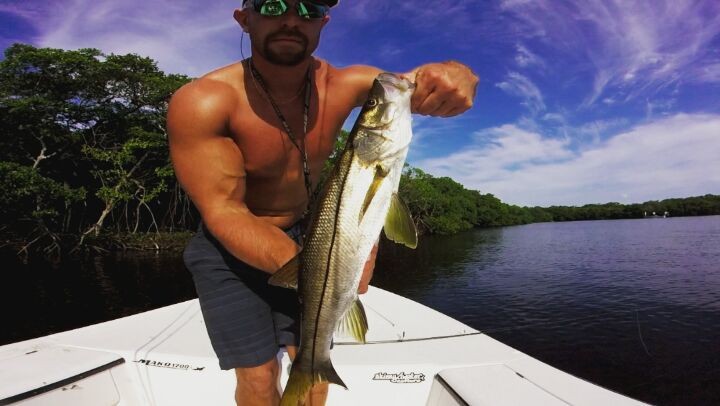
399	225
354	324
380	174
287	276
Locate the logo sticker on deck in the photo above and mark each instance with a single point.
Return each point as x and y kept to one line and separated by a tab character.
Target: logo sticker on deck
171	365
401	377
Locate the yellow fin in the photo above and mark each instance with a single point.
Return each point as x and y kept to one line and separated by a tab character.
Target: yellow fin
399	225
287	276
380	174
354	324
301	381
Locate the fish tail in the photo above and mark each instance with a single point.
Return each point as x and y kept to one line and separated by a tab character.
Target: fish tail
300	383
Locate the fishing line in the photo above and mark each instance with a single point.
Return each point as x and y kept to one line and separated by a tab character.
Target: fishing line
145	382
407	340
637	319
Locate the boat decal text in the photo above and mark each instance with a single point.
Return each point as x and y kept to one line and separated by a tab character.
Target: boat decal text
402	377
171	365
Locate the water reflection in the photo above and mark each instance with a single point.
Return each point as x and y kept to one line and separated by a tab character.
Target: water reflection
631	305
436	261
40	298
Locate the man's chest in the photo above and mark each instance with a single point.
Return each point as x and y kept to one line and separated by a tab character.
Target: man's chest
270	151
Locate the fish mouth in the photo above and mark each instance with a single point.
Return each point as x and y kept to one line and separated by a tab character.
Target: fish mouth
395	82
396	90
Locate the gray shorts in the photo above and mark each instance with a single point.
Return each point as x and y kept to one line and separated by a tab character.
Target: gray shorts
246	318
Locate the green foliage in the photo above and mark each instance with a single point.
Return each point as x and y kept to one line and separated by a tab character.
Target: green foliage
27	195
81	120
338	148
439	205
443	206
690	206
83	148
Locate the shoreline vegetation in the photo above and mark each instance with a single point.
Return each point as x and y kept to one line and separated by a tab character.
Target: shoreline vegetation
84	166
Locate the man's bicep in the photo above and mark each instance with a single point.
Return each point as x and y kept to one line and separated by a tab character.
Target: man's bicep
211	171
208	164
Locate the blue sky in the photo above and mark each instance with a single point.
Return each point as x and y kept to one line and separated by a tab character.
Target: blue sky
579	102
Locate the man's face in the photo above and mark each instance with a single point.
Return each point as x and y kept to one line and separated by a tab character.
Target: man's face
283	40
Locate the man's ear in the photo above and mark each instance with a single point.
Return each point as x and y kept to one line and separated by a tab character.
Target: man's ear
241	16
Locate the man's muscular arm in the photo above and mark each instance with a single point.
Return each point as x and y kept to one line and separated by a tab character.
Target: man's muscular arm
209	166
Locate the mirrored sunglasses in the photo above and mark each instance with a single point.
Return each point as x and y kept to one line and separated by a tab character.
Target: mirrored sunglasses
275	8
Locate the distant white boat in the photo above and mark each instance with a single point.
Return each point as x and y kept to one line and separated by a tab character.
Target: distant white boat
656	216
414	356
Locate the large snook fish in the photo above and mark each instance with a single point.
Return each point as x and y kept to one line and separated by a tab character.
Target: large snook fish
359	198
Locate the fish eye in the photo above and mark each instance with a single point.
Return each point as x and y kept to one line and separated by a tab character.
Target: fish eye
372	103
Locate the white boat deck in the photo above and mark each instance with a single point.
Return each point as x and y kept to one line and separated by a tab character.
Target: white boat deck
168	361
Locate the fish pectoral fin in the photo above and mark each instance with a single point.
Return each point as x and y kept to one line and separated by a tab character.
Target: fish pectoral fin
380	174
354	323
399	225
287	276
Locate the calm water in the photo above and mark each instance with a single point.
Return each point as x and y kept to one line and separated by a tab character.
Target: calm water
633	305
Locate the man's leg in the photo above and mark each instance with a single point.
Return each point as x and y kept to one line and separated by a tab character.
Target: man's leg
257	386
238	317
319	392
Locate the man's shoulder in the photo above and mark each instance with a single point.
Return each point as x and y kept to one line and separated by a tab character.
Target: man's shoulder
206	101
232	74
351	73
353	80
215	89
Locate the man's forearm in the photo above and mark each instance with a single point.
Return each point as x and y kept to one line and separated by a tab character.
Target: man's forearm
250	239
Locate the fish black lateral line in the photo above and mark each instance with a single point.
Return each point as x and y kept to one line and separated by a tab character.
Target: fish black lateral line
358	201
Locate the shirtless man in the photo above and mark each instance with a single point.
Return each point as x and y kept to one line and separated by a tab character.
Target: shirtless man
239	159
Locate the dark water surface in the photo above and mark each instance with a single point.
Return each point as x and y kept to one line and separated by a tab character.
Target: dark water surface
632	305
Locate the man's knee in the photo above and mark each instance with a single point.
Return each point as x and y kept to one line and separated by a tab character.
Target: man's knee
260	381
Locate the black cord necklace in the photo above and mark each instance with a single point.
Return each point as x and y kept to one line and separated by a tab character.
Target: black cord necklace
306	112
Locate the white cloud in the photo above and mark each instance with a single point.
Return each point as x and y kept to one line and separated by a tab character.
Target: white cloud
524	57
497	152
521	86
708	73
633	47
672	157
183	36
661	107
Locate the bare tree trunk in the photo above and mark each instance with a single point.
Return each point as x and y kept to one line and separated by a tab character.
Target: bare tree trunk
42	155
152	216
110	205
95	228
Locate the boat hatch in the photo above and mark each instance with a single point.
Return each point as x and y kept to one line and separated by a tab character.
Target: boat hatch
487	385
58	375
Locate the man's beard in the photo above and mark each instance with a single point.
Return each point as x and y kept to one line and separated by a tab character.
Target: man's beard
285	57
